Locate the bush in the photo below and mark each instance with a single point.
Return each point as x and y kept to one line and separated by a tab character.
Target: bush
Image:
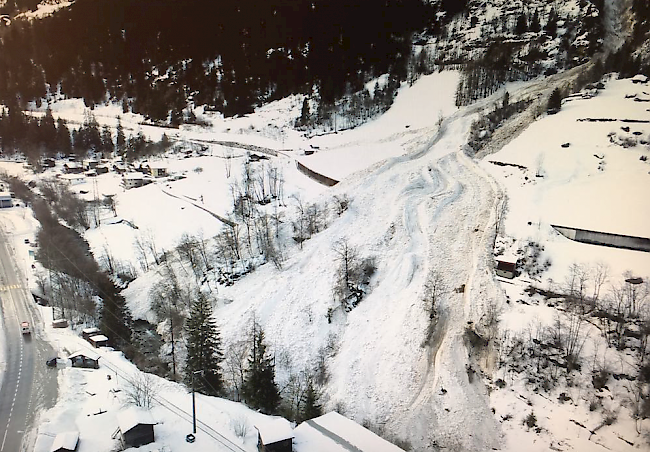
531	420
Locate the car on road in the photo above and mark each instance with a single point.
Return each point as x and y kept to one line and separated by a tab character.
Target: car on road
24	327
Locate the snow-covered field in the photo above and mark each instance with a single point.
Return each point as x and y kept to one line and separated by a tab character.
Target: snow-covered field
419	206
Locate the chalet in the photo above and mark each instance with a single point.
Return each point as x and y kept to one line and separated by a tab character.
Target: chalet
87	333
101	170
133	180
90	164
73	179
506	266
98	341
65	442
73	168
6	200
87	360
135	427
639	78
274	436
333	432
157	170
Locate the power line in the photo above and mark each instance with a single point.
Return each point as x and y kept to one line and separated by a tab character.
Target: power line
204	427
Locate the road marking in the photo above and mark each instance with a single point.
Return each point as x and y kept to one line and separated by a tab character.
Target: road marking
4	439
10	287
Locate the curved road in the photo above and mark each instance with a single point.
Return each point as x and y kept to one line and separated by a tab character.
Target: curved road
28	386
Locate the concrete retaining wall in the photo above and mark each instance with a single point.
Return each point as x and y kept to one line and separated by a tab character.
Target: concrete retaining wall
604	238
328	181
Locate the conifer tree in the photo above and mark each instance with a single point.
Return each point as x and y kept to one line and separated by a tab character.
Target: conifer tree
203	349
311	407
260	390
116	318
304	114
120	140
554	101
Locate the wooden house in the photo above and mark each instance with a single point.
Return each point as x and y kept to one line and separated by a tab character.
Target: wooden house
98	340
157	170
87	360
133	180
86	333
135	427
275	435
506	266
65	442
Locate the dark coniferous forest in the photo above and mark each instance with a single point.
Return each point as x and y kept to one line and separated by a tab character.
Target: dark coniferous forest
155	55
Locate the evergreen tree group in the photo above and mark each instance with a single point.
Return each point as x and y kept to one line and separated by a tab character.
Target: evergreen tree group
204	354
238	54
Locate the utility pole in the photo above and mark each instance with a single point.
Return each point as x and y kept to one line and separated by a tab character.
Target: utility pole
194	402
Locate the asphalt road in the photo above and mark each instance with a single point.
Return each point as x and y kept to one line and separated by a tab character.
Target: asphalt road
28	386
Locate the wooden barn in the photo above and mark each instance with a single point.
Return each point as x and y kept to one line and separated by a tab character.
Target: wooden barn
274	436
87	360
135	427
65	442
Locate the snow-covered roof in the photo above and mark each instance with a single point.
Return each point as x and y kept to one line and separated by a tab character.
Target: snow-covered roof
134	176
88	354
5	194
133	416
509	258
94	329
640	78
65	441
274	430
157	165
333	432
98	338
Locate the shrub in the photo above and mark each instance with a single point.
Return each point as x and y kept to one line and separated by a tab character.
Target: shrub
531	420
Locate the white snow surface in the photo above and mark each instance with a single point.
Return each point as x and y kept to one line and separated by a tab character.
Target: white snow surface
418	205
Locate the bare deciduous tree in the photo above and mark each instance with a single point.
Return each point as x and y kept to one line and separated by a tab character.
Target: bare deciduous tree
235	361
141	390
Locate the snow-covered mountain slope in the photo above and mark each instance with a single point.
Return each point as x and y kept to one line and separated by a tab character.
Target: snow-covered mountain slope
427	209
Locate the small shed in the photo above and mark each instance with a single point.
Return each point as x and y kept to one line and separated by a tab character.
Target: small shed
275	435
6	200
639	78
65	442
88	360
87	333
135	427
506	266
98	340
